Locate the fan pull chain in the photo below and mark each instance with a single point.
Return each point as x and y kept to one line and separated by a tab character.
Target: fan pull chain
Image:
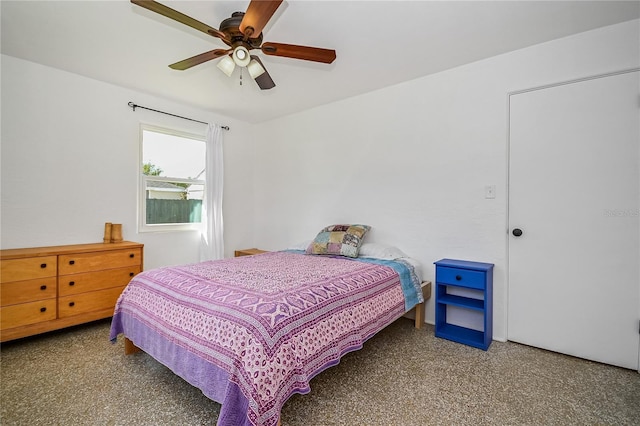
240	76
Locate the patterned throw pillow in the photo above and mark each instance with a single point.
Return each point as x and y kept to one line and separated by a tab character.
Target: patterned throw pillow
342	240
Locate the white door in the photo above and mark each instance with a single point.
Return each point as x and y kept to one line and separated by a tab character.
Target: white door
574	190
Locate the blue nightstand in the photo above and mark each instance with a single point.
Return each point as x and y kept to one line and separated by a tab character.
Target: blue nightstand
475	278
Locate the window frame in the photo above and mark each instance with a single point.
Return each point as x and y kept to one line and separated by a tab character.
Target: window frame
143	226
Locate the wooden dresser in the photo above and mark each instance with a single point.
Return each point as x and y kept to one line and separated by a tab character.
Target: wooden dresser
48	288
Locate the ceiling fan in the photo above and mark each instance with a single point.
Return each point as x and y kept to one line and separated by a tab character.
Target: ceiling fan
242	32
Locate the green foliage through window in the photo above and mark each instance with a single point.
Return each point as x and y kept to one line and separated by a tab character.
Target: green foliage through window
151	169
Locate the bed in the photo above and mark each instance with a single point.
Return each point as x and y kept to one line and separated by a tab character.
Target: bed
251	331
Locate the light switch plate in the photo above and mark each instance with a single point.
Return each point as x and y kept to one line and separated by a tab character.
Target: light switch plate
490	191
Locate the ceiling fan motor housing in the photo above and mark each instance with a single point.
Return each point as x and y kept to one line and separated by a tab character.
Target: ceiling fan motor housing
231	28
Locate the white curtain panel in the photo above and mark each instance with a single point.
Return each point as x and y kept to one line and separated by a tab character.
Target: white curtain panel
212	239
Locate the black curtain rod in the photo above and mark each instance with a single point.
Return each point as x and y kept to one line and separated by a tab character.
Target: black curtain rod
134	106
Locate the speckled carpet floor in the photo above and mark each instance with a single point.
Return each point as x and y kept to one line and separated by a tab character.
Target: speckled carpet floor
402	376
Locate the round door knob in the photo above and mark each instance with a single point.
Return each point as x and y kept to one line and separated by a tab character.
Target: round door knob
517	232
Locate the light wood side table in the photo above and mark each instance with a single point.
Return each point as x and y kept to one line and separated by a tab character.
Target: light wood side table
248	252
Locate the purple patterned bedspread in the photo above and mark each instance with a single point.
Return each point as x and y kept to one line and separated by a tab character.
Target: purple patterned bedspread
251	331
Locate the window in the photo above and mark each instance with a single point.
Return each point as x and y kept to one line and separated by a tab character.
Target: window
172	180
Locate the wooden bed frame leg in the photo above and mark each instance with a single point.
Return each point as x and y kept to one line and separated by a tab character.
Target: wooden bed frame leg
130	348
426	293
419	315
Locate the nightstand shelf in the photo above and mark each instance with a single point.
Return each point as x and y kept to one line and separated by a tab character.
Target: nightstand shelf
463	302
462	335
473	284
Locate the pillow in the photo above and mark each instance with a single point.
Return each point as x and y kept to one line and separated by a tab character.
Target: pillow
342	240
380	251
300	246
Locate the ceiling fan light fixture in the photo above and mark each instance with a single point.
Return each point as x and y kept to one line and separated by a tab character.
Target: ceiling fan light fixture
238	33
241	56
255	69
227	65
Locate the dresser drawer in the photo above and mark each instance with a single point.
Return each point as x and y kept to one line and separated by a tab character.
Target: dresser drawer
27	313
91	281
460	277
87	262
16	292
88	302
27	268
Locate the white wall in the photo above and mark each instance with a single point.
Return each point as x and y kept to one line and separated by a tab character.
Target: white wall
413	160
70	156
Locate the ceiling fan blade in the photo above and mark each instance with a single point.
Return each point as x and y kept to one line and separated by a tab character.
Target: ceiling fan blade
257	15
307	53
264	80
198	59
179	17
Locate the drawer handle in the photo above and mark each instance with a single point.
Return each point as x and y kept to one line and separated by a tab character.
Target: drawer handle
43	309
72	262
132	255
72	304
43	265
131	274
43	287
72	283
458	277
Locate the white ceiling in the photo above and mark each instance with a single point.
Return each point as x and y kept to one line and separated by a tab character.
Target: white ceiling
378	44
